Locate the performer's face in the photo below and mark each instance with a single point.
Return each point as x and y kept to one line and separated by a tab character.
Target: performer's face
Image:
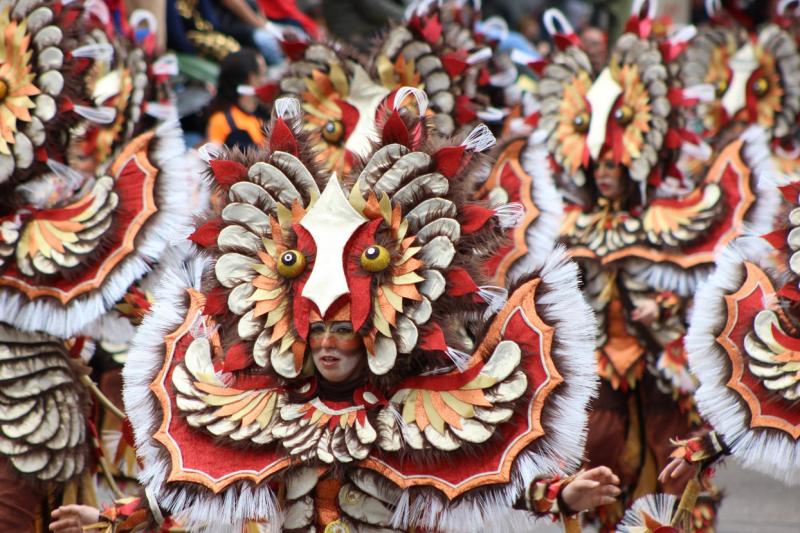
608	176
337	350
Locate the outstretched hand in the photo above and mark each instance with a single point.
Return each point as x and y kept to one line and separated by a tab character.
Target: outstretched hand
72	518
591	488
678	471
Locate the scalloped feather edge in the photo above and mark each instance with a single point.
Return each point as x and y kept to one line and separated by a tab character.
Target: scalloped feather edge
169	224
769	452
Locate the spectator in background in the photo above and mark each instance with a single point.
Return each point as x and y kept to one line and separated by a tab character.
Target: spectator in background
357	21
595	42
244	21
236	118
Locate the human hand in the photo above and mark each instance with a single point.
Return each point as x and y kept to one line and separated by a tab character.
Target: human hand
72	518
646	312
678	471
591	488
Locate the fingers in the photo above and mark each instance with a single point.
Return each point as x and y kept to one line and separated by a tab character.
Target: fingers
603	474
66	525
669	470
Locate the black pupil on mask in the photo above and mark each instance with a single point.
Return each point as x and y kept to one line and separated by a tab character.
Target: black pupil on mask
372	252
330	127
289	259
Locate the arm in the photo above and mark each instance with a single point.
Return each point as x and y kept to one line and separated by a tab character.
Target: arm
569	496
242	9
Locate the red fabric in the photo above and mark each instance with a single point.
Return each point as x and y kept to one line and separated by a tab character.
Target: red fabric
359	281
282	139
267	92
791	192
770	404
206	235
301	307
200	451
790	291
131	192
777	238
226	172
349	116
538	66
430	28
287	9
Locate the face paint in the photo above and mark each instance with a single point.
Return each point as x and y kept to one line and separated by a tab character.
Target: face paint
337	351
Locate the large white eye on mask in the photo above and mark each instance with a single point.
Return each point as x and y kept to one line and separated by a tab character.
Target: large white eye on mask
331	221
602	95
365	96
742	64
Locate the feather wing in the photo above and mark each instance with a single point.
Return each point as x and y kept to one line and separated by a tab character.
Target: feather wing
679	222
58	239
774	356
42	407
208	403
448	410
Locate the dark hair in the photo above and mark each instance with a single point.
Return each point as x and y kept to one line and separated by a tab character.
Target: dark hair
234	70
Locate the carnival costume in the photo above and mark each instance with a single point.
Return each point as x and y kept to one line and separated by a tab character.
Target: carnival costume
741	343
652	242
232	422
439	51
72	242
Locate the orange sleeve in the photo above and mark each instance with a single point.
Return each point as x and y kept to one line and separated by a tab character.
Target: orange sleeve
218	128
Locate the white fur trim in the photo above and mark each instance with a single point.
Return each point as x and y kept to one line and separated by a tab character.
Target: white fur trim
542	235
771	452
561	450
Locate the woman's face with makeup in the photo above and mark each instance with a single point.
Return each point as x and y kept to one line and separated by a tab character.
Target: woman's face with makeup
337	350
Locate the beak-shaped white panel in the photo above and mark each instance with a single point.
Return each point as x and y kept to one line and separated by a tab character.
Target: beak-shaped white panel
602	95
742	64
331	221
365	96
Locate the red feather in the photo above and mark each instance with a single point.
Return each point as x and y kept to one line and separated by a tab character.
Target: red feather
432	29
216	302
464	112
282	139
448	159
206	235
474	218
459	282
237	358
226	173
395	130
454	63
433	339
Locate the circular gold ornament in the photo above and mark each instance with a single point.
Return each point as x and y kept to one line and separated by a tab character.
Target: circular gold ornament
291	264
375	258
